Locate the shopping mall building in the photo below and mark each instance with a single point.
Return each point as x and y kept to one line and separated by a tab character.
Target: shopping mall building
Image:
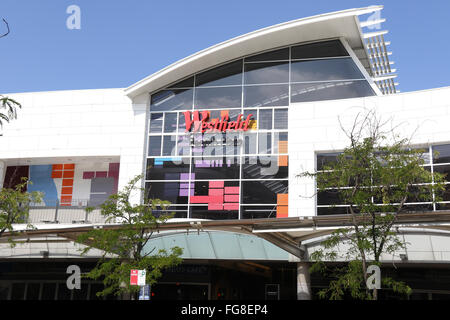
223	135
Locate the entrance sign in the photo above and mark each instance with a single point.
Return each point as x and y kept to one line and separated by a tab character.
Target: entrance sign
222	124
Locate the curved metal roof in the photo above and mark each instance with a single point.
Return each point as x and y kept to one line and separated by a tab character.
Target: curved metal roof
341	24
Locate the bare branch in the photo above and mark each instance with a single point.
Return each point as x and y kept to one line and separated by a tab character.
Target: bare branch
7	27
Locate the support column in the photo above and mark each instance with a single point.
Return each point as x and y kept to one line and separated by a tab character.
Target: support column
303	281
2	173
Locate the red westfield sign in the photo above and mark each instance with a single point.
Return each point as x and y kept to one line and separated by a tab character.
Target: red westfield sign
198	121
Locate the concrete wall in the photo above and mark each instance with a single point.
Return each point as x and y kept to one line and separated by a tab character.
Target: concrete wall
83	123
314	127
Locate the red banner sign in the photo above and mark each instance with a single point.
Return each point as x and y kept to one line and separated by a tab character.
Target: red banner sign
197	121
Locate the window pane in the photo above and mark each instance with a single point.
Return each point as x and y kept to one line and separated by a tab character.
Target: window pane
333	48
229	74
218	98
156	121
326	159
265	143
281	119
324	69
181	123
154	146
260	73
280	142
187	83
169	145
18	291
329	197
258	212
330	90
263	167
216	168
167	168
441	154
170	122
250	143
280	54
265	119
263	191
179	211
202	212
331	211
175	192
266	95
167	100
184	145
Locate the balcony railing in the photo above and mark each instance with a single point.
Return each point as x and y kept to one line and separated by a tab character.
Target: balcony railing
68	212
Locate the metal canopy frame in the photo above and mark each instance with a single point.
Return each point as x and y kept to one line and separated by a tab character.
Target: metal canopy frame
286	233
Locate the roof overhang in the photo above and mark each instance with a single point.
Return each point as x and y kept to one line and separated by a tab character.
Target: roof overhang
286	233
341	24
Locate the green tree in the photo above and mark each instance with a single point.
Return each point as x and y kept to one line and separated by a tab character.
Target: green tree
8	106
8	109
124	247
375	176
15	206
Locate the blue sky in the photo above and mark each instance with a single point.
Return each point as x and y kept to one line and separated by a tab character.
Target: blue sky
121	42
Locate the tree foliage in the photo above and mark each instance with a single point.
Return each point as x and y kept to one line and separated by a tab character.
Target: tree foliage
15	206
375	177
125	247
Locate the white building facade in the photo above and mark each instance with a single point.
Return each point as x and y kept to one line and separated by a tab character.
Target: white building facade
223	135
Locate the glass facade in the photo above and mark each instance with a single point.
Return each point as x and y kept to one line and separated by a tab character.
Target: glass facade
436	159
218	140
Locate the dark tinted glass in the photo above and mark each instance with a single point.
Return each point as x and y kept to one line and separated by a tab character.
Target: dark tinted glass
218	98
333	48
263	191
81	294
326	211
258	212
167	100
441	154
263	167
443	169
169	191
329	197
170	122
229	74
202	212
216	168
280	54
167	168
266	95
178	211
187	83
156	121
324	69
154	146
326	159
330	90
259	73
